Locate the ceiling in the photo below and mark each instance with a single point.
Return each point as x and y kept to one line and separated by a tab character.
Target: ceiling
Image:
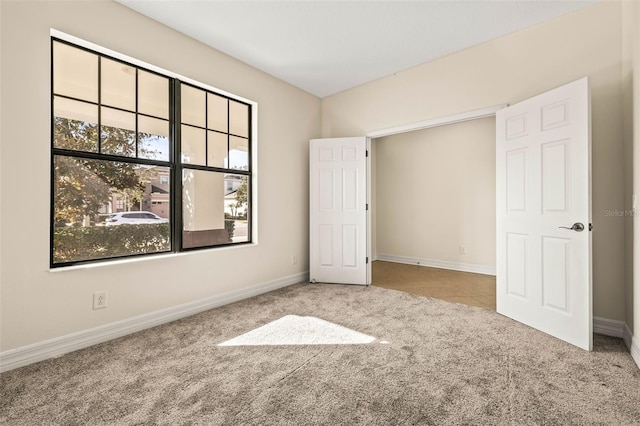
325	47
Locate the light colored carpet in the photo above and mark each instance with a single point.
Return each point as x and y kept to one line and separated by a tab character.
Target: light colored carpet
432	362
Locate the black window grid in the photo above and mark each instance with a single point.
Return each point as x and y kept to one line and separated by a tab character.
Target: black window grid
174	164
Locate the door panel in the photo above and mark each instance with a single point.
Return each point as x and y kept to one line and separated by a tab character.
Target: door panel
555	273
516	281
516	171
338	211
543	178
555	174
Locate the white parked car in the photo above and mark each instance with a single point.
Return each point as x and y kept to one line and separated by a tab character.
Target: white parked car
134	218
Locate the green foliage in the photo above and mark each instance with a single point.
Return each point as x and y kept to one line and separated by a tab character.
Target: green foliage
118	141
230	226
242	193
82	186
75	134
77	190
241	196
73	244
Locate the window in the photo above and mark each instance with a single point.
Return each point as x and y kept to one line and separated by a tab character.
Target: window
214	141
166	161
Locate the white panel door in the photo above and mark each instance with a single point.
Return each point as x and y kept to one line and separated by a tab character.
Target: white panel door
543	196
338	211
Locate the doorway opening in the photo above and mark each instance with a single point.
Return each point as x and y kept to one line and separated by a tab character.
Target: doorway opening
433	216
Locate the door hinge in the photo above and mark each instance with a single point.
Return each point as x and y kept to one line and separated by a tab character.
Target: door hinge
367	259
367	206
591	227
366	153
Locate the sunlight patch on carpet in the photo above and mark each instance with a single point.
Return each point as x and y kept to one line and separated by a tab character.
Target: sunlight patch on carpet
297	330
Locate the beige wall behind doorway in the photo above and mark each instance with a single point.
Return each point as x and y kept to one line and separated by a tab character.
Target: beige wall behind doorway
435	193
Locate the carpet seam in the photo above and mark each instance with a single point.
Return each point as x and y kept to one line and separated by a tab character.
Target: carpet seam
289	374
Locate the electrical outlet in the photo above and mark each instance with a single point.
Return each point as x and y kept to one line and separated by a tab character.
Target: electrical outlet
99	299
463	250
294	259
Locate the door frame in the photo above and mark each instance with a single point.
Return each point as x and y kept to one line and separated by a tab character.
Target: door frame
435	122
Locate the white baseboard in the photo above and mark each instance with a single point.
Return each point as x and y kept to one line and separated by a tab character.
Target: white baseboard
608	327
618	329
633	344
442	264
51	348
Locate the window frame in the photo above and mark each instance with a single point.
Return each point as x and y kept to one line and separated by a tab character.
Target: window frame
181	166
174	164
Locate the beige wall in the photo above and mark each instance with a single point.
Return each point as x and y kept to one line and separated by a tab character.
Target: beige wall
632	51
631	64
436	191
508	70
38	304
636	175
